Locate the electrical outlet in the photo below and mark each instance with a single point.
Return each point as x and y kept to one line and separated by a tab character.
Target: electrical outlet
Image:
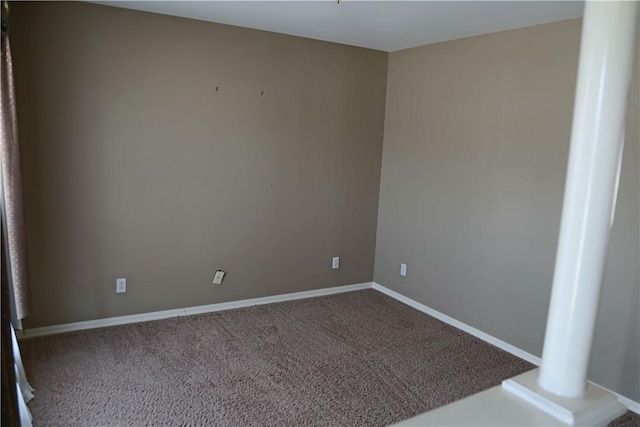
121	285
403	269
335	263
217	278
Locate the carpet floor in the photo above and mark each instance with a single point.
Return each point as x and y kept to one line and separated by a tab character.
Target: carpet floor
353	359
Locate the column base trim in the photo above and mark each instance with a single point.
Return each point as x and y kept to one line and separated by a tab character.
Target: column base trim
597	407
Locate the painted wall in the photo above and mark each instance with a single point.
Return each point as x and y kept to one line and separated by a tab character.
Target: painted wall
476	143
136	166
151	153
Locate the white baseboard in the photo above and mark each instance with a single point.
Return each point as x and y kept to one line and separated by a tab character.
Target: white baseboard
630	404
458	324
165	314
157	315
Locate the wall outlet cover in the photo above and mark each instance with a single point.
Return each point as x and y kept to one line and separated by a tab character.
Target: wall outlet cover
335	263
403	269
217	278
121	285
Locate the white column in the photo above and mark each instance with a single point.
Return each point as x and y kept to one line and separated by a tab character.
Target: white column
604	74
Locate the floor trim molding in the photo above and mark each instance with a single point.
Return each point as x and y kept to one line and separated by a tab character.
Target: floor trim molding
460	325
630	404
165	314
210	308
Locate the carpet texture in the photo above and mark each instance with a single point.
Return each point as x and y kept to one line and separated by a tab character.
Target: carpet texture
359	358
629	419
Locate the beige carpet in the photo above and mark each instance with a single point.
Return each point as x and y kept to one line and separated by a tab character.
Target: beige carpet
359	358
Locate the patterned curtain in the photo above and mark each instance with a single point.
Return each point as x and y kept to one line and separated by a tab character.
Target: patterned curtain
14	241
12	194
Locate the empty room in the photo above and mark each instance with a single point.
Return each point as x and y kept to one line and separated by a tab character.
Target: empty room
332	213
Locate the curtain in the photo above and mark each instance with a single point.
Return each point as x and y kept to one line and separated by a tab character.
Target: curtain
10	414
24	391
14	262
13	201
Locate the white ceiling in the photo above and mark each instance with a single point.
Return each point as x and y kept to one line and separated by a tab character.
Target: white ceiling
380	25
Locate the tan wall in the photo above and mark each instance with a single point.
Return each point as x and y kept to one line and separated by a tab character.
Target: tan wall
475	151
136	167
